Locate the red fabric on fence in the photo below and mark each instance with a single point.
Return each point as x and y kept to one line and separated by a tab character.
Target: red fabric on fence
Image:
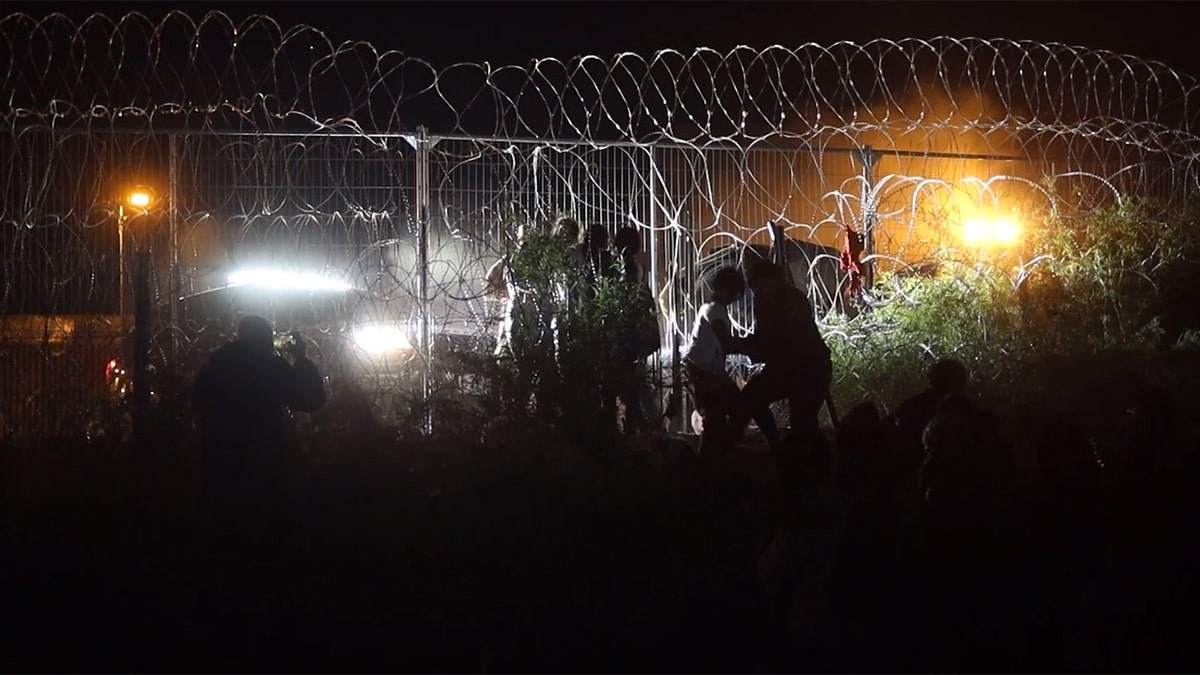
851	250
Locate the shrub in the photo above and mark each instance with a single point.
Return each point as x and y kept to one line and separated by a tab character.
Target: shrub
1117	279
567	350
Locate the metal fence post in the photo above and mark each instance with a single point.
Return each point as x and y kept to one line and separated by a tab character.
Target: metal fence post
173	285
655	266
779	252
122	270
142	308
869	158
682	411
422	145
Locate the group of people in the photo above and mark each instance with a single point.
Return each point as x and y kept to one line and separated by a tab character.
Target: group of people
796	362
537	328
243	390
916	539
542	317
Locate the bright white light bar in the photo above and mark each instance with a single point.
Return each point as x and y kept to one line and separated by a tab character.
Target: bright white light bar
288	281
380	340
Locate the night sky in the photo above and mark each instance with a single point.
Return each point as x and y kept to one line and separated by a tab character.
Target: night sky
513	32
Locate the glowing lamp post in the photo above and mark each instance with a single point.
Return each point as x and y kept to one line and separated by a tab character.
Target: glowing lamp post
139	200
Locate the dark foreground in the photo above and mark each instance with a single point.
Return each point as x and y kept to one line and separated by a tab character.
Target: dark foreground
437	559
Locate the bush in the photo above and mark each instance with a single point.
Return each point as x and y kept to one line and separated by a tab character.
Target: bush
1084	284
569	349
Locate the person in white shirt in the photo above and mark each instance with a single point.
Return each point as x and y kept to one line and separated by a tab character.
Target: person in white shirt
526	314
715	395
526	335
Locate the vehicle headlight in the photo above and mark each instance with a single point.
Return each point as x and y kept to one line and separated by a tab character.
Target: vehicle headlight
286	281
379	340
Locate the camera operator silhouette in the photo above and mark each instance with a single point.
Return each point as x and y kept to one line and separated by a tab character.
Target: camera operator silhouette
240	396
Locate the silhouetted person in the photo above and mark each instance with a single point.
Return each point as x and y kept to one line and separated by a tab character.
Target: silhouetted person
526	323
970	475
1156	444
871	612
628	245
1153	529
971	484
866	471
863	449
565	235
797	365
714	394
597	260
240	396
797	564
363	434
947	377
529	331
1067	563
642	338
566	230
596	369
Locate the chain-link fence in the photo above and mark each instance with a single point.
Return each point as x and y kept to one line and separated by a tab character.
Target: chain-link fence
360	196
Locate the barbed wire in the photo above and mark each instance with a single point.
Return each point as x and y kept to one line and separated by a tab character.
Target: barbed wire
256	71
274	147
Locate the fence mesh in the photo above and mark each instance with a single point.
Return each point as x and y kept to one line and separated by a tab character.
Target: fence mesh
270	147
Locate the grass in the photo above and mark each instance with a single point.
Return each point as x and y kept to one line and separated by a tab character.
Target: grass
500	544
423	557
431	554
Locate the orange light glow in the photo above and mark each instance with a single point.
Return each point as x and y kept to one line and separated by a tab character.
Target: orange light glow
140	198
990	231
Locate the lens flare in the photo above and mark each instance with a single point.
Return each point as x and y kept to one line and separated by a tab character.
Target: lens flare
378	340
984	231
286	281
139	198
975	231
1005	232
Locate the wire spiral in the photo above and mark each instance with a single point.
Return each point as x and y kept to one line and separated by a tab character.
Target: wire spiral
273	147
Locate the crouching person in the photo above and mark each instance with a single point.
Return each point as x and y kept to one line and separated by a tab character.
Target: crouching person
797	366
714	394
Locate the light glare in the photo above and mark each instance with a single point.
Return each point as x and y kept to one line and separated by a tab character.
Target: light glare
1005	231
379	340
975	230
979	231
140	199
289	281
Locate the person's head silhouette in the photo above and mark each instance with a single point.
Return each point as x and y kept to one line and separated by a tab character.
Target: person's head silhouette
594	238
567	229
949	377
256	333
627	241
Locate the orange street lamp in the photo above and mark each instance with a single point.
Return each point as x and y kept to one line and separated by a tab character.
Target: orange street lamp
139	199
